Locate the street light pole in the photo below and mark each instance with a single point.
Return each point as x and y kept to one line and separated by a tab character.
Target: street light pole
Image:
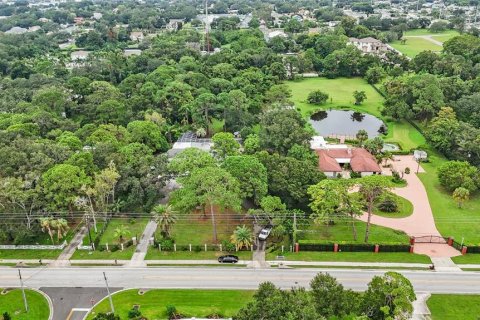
23	291
109	295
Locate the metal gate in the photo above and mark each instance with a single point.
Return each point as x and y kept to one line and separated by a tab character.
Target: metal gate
430	239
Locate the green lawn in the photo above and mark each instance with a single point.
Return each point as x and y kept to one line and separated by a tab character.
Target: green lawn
414	46
449	219
472	258
191	303
29	254
155	254
12	302
93	234
426	32
103	255
352	256
342	232
341	92
454	306
404	134
135	226
405	208
197	229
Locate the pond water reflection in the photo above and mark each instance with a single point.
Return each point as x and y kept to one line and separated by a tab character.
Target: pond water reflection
346	122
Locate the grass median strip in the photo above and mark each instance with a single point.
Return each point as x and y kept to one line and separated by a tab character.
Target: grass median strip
12	302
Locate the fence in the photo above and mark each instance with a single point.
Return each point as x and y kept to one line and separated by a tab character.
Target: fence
173	247
352	247
34	247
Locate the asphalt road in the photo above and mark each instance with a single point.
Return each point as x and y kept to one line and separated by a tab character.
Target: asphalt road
74	303
234	278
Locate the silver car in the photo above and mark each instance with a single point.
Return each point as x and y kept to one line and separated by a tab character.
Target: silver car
263	235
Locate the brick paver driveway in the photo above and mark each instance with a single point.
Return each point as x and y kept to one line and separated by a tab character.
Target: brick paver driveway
421	222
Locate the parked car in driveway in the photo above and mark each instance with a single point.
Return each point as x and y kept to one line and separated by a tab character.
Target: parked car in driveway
263	235
228	259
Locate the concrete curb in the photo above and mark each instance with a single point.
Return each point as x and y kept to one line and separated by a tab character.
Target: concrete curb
50	303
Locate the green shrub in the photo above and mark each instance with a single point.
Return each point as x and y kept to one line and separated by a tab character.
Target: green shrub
228	246
197	248
388	203
134	313
171	312
166	244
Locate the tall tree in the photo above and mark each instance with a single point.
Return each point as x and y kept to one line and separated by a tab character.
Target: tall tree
251	174
372	188
224	144
281	129
208	186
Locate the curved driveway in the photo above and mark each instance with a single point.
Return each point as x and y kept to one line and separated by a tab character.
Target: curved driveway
421	222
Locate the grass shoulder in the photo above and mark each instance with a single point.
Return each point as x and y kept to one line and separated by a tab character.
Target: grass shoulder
454	306
393	257
190	303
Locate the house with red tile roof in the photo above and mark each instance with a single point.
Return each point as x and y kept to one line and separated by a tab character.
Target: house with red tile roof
332	161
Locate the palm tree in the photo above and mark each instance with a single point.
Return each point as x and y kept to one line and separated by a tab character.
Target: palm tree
120	232
61	225
47	225
242	237
165	217
362	135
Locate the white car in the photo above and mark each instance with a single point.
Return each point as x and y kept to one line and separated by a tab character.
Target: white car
263	235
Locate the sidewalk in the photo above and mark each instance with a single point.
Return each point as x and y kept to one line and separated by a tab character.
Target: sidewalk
241	262
142	246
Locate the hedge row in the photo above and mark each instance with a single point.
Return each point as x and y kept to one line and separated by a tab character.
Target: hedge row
353	247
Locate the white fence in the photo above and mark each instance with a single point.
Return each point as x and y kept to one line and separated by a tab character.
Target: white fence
34	247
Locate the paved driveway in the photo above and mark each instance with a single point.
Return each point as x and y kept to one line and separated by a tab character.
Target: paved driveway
421	221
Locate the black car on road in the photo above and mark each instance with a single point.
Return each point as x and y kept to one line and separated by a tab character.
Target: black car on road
228	259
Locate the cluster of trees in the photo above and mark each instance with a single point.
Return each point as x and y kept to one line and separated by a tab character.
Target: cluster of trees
387	297
274	170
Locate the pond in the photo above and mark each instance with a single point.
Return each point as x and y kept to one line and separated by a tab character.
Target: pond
346	123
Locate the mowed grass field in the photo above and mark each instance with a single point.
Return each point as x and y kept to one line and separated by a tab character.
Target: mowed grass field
415	45
454	306
401	257
189	303
449	218
12	302
340	91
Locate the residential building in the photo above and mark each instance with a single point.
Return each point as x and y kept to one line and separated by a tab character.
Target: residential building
332	161
136	36
369	45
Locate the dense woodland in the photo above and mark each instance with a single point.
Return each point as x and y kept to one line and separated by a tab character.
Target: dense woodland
94	137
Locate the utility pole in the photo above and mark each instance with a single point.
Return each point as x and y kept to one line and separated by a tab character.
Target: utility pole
87	221
23	291
109	295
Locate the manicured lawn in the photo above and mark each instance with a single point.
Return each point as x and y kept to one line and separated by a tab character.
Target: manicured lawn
405	208
404	134
471	258
191	303
342	232
12	302
104	255
426	32
352	256
449	219
454	306
135	226
155	254
414	46
29	254
197	229
341	91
